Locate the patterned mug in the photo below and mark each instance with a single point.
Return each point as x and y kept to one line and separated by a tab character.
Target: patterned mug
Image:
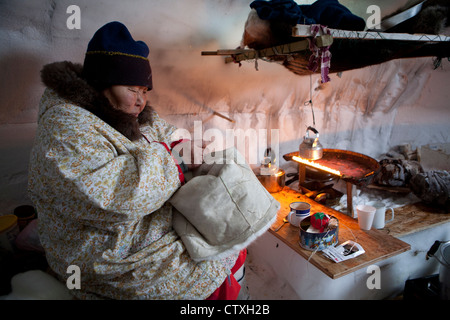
299	211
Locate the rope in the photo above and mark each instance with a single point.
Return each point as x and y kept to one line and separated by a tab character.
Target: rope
310	102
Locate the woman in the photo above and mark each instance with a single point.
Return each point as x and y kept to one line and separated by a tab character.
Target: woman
101	171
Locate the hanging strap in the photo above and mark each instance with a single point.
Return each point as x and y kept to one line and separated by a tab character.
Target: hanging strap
320	55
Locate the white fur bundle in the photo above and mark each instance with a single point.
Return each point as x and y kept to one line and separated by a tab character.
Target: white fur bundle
37	285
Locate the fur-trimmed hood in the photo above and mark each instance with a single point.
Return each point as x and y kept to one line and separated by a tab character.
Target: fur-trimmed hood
66	80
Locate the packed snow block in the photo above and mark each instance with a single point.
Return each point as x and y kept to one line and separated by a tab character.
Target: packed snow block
435	156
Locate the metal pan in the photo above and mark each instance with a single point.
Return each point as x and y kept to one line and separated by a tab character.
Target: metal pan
355	168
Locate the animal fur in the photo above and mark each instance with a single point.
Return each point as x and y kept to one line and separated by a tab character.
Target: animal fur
66	80
432	19
433	187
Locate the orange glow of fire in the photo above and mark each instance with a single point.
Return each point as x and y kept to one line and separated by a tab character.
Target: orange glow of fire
316	165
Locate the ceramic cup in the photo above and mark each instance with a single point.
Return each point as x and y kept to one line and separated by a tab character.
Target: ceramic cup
365	214
299	211
380	215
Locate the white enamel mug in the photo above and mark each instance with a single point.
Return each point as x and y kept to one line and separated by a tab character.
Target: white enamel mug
379	221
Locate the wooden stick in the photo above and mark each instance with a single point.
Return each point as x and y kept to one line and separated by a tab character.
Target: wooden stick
351	189
226	52
249	54
301	174
284	49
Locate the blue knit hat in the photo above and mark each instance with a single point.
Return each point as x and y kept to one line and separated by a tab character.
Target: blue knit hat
113	57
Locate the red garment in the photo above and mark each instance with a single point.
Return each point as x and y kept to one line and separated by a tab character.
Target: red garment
180	172
173	144
229	290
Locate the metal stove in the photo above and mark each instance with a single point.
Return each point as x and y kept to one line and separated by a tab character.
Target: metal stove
354	168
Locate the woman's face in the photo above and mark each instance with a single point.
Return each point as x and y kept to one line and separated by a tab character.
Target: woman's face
129	99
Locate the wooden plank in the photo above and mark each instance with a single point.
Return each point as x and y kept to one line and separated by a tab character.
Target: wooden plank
324	40
377	244
415	217
350	188
277	50
226	52
249	54
302	30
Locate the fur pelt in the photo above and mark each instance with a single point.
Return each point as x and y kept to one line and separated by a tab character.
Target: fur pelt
66	80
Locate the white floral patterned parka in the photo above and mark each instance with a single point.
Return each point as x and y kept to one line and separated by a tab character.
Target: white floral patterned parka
102	201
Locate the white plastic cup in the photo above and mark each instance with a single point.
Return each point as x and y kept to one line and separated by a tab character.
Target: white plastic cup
365	215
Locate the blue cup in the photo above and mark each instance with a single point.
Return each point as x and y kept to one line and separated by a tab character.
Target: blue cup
299	211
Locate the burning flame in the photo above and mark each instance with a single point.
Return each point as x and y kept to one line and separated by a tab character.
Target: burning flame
316	165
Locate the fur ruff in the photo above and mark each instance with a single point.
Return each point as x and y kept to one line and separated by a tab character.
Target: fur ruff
66	80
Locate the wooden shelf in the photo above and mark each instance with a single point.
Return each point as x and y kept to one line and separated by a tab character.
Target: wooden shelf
378	244
351	50
321	40
414	218
302	30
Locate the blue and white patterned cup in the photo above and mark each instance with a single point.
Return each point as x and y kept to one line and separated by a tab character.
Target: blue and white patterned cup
299	211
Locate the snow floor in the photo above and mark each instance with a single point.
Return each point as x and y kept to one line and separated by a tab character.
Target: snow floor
262	283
